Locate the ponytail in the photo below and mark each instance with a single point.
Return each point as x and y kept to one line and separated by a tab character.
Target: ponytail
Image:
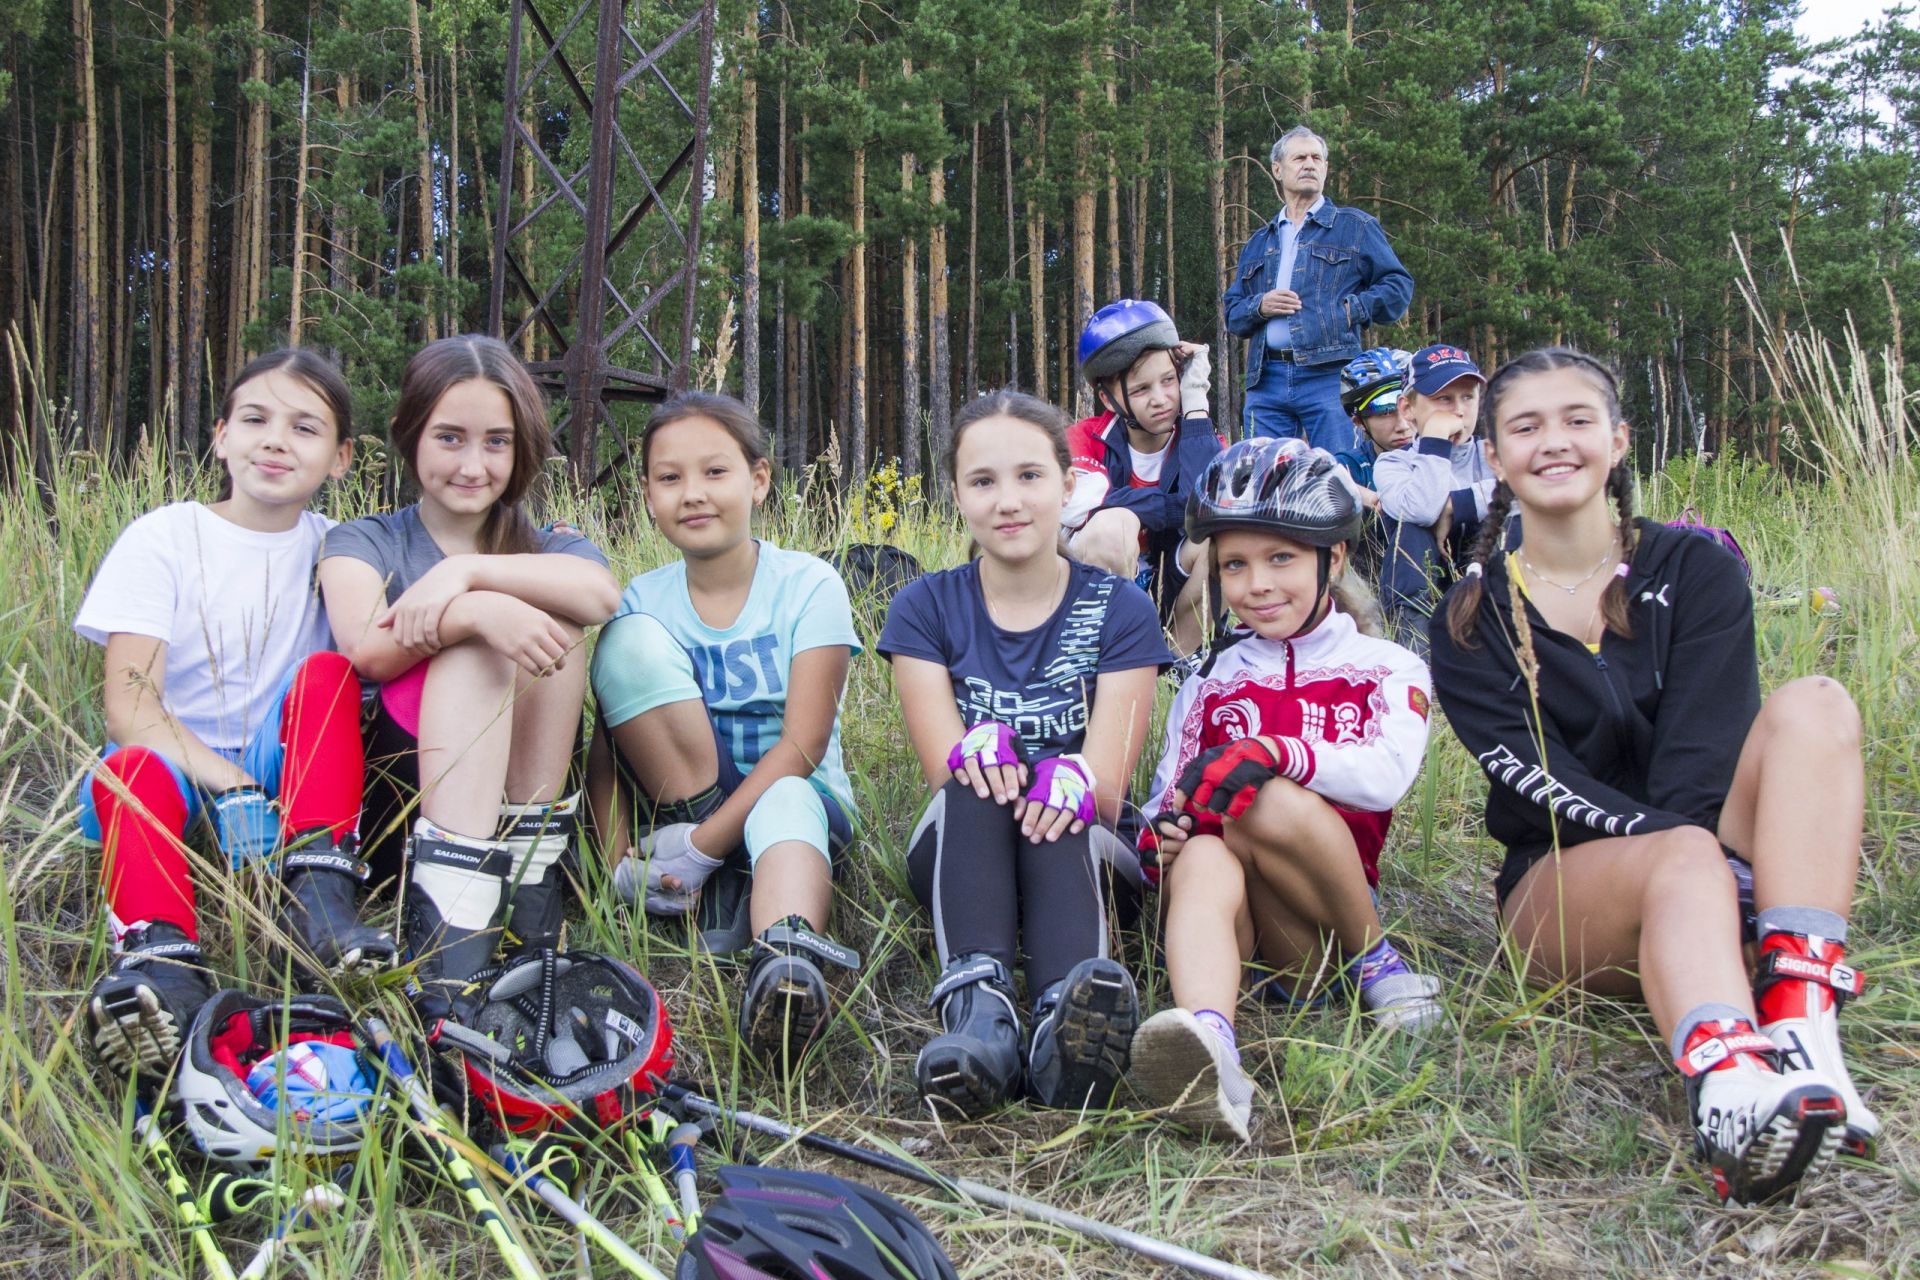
1463	603
1614	601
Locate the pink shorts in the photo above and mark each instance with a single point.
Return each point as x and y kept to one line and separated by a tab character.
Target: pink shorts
401	696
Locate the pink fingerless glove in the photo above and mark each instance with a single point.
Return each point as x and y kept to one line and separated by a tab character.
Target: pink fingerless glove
1065	783
988	744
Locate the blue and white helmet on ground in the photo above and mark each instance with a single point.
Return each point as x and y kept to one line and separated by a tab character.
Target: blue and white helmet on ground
1280	486
1372	381
1120	333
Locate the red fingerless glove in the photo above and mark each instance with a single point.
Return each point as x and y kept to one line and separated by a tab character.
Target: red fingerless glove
1225	780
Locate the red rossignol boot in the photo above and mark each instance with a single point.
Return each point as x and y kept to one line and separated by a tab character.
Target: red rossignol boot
1803	981
1760	1130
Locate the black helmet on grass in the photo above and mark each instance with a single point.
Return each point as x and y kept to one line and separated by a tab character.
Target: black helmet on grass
774	1224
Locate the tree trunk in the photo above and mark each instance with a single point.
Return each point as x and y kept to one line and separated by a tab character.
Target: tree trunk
1036	165
296	292
782	341
940	376
1013	257
1139	227
88	366
970	378
259	140
909	406
853	466
1085	213
1113	196
452	268
750	215
1169	238
118	278
1216	189
423	234
199	186
172	182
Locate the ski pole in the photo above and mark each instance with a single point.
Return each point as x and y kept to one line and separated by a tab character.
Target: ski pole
575	1214
645	1169
436	1133
967	1188
680	1144
196	1221
316	1201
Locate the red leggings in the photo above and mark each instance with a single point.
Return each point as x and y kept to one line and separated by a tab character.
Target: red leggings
144	806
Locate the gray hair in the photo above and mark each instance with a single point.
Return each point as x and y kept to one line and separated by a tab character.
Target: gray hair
1298	131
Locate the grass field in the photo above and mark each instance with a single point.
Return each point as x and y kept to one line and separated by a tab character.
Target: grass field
1544	1136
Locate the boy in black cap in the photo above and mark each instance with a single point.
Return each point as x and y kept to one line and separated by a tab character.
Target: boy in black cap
1433	492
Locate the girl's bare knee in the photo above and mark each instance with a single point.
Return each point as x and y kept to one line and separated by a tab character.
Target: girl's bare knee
1814	709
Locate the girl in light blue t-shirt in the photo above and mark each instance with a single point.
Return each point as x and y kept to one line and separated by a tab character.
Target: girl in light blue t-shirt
716	760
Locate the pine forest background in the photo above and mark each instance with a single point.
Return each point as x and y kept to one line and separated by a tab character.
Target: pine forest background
906	203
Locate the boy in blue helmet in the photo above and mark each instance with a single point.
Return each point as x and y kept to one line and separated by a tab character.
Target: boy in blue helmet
1136	461
1372	385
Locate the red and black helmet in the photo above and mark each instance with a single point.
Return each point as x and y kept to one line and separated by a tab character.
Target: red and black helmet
585	1038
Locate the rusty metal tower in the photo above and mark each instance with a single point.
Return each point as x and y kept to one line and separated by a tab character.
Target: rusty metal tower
589	256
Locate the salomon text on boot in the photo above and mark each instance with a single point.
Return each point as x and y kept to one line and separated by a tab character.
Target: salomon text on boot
455	886
320	881
974	1064
539	837
787	1001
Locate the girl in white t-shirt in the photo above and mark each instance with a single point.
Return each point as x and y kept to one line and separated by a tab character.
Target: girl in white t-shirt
468	618
221	696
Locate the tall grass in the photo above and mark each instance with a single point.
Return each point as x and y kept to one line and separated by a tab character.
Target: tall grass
1542	1136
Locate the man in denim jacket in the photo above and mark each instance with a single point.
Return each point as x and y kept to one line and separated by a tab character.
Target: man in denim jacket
1307	283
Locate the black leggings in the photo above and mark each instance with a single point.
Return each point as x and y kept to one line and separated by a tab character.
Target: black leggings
988	887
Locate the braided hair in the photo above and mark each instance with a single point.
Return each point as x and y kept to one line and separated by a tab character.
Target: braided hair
1464	603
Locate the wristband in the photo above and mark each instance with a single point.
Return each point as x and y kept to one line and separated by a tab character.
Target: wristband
245	824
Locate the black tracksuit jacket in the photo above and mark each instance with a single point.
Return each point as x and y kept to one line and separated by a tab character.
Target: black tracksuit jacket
1641	737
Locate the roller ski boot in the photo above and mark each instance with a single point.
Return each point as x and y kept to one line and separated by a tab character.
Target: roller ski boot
141	1008
787	1001
1083	1029
320	880
539	839
455	890
974	1064
1804	983
1759	1130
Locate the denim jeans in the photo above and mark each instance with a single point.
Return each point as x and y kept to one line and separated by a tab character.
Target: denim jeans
1302	401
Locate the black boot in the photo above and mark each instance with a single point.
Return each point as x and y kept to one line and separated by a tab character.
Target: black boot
455	886
787	1001
142	1007
320	912
1083	1029
539	838
974	1065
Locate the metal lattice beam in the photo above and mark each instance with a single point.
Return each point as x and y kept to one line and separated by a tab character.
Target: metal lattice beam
607	302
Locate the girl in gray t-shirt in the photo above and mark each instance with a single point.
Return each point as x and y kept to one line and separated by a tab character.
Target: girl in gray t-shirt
470	622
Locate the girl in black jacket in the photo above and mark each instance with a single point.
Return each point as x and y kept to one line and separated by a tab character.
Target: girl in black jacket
1655	811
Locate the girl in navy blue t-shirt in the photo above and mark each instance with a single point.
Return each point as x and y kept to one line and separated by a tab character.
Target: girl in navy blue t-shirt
1026	681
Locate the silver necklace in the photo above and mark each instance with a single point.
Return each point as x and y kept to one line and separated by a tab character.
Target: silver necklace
1058	578
1533	573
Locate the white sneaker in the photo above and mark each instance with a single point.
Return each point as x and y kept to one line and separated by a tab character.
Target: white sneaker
1181	1067
1405	1002
1803	982
1759	1130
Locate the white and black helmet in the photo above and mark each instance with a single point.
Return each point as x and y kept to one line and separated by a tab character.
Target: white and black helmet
236	1033
1280	486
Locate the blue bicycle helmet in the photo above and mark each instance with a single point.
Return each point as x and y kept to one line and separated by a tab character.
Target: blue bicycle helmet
1373	380
1120	333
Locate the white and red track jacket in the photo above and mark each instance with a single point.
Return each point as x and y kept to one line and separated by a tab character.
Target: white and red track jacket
1348	710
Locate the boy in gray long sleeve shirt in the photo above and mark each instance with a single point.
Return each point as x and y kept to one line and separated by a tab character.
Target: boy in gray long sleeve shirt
1434	492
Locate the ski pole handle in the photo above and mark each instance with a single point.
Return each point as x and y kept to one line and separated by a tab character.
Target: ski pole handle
680	1145
146	1128
438	1134
572	1211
